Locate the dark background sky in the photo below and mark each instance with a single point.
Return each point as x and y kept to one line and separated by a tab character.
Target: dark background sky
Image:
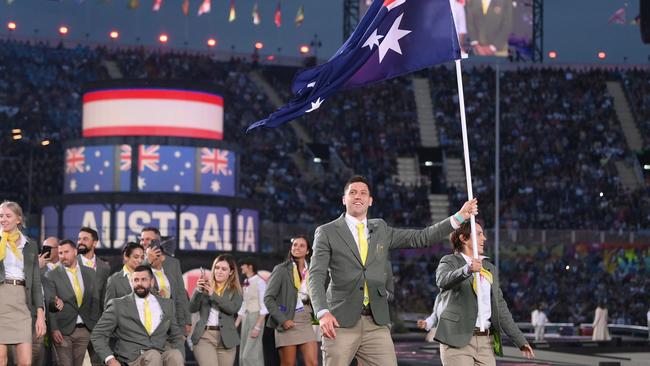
576	29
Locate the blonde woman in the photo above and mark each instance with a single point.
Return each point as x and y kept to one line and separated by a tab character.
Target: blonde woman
287	299
217	299
21	293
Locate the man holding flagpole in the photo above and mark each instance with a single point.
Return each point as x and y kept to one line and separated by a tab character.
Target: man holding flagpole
353	250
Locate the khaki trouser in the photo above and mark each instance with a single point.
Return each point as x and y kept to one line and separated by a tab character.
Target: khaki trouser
72	350
211	352
478	351
251	350
152	357
369	342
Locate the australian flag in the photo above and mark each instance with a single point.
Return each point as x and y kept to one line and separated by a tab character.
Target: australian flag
395	37
96	169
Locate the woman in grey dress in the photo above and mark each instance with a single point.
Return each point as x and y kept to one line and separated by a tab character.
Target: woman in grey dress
287	300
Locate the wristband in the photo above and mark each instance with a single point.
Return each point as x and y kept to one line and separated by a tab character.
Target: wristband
257	328
459	218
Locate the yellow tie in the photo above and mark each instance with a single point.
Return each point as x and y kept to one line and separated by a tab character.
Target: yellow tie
76	286
363	251
219	288
163	290
10	239
147	316
486	275
485	4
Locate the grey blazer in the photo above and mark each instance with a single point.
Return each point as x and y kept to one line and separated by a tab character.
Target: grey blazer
281	296
103	271
228	304
336	254
117	286
33	286
66	319
458	318
121	322
172	268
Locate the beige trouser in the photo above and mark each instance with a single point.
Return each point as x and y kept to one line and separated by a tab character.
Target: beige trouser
478	351
72	350
211	352
369	342
152	357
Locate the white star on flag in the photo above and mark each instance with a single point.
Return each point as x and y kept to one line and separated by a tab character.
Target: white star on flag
96	187
215	186
141	183
177	188
315	105
177	154
311	85
98	153
107	163
165	167
73	185
391	42
373	40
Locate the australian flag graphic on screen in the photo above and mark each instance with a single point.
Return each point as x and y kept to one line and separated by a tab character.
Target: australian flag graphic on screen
184	169
96	169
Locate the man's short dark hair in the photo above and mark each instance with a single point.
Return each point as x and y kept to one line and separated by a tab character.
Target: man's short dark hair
90	231
68	242
357	179
251	261
144	268
130	247
152	229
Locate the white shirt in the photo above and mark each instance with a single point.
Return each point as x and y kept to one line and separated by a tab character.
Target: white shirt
168	285
15	267
51	266
538	318
213	318
485	307
154	307
303	293
81	284
92	263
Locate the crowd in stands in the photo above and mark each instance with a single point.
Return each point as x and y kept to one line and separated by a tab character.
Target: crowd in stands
637	87
568	280
559	134
560	139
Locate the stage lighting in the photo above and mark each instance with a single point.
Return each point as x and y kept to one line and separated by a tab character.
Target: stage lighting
304	49
16	131
114	34
17	137
63	30
45	142
552	54
602	55
12	26
259	45
163	38
212	42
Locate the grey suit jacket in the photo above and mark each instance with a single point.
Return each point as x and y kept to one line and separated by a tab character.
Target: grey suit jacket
33	286
494	27
281	296
103	271
336	254
458	318
121	321
172	268
117	286
66	319
228	304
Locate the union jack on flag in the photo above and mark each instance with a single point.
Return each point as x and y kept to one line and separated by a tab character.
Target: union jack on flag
75	160
125	157
149	157
214	161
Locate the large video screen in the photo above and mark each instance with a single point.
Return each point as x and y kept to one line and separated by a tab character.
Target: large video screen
489	27
102	168
201	228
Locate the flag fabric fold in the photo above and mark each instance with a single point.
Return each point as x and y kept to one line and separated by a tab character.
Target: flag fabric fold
204	8
256	14
618	17
300	16
277	18
157	4
395	37
232	15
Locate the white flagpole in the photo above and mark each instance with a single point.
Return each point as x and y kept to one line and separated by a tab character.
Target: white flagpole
468	176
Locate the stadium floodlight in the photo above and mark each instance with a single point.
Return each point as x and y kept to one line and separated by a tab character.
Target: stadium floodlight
114	34
163	38
45	142
304	49
552	55
259	45
12	26
602	55
63	30
212	42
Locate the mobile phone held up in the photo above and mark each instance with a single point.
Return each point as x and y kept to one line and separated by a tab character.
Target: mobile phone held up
47	250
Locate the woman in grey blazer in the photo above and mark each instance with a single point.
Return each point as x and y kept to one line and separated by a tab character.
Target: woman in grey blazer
287	300
21	293
217	299
119	283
